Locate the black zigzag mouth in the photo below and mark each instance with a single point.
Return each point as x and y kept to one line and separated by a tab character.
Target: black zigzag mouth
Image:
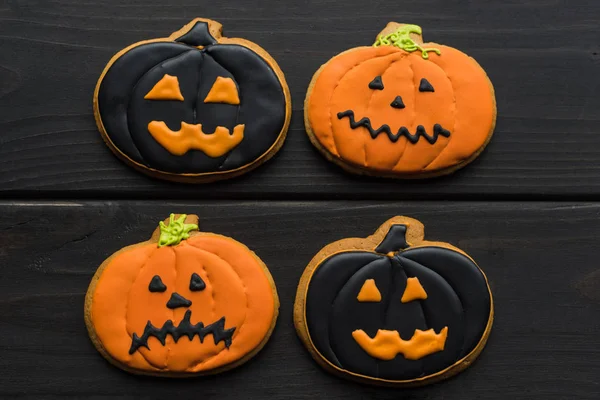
365	122
185	328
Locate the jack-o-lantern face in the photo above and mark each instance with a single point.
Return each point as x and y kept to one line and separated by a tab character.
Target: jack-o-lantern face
402	108
431	136
393	308
194	103
387	344
185	327
183	303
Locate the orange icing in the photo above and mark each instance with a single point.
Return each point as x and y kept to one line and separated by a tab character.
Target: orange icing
386	345
165	89
369	292
463	103
223	91
414	291
191	137
237	288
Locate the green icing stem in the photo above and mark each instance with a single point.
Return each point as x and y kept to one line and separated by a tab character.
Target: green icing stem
401	39
175	232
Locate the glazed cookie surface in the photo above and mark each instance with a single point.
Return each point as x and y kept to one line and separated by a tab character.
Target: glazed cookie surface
392	308
183	303
193	107
400	108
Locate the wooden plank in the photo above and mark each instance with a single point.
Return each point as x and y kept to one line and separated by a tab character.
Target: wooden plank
541	260
544	65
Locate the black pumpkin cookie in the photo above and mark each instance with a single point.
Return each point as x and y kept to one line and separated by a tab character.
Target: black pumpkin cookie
193	107
392	308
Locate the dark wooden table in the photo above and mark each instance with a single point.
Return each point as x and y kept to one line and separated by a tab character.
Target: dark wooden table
528	210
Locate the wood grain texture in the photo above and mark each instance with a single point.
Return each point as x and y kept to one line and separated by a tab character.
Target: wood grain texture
541	260
542	55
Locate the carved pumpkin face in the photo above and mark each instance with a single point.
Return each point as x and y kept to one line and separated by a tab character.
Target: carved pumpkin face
214	100
194	103
395	312
183	307
401	111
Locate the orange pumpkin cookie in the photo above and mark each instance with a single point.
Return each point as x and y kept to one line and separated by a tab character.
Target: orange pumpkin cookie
183	303
400	108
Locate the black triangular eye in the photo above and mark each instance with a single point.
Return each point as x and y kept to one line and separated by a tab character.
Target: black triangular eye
196	283
425	86
376	83
156	285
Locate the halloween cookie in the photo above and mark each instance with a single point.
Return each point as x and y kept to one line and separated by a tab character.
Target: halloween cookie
183	303
193	107
400	108
392	308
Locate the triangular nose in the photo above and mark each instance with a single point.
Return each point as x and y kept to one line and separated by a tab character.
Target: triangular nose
177	301
398	103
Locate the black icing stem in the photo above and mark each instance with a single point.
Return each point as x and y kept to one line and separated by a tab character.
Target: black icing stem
395	240
199	35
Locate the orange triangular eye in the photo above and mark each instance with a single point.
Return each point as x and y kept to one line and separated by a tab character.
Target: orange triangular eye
223	91
165	89
369	292
414	291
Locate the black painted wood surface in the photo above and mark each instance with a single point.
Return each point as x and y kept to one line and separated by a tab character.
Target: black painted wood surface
542	56
65	207
541	260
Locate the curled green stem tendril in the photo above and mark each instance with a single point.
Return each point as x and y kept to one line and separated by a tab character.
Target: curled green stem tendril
175	232
401	39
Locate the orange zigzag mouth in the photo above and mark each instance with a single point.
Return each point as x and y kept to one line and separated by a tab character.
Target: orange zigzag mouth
386	345
191	137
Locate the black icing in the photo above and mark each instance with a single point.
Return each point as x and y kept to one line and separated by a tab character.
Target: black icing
156	285
398	103
425	86
323	289
468	282
376	83
458	297
365	122
185	328
199	35
196	283
395	240
125	113
177	301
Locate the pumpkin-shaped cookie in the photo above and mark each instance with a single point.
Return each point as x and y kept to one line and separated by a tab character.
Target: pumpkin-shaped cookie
193	107
394	309
183	303
401	108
